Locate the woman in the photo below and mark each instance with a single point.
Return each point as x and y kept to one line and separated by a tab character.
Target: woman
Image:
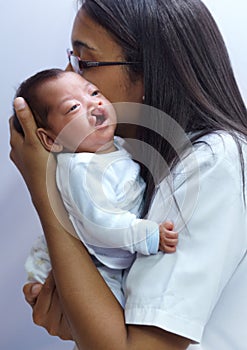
194	295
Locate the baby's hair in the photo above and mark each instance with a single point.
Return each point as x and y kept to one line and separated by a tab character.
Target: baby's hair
29	90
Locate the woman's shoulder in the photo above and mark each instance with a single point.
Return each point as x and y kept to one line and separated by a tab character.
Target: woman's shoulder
220	141
217	146
215	153
220	147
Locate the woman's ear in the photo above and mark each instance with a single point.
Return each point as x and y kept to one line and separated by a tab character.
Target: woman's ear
48	141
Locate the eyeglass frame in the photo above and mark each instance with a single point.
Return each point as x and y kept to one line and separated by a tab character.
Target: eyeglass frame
90	64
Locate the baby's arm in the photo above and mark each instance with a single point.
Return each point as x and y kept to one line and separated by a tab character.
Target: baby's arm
168	237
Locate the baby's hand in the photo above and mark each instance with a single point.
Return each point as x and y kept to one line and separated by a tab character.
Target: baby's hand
168	237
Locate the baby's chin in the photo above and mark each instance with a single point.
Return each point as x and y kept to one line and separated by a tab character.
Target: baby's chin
98	142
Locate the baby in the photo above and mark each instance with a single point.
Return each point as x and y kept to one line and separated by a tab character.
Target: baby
99	183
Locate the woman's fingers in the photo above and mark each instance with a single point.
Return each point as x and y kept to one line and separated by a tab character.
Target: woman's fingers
44	301
48	313
26	119
58	325
31	292
15	139
27	153
13	133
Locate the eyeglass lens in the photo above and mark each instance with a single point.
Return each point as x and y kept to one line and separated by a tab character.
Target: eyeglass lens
75	64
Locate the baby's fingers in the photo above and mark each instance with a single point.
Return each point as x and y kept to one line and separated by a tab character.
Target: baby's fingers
168	246
168	240
172	241
167	249
170	234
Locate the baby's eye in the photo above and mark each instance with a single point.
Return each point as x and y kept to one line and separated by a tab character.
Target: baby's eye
95	93
73	107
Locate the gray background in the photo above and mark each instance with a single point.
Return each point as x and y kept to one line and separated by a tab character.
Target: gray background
34	36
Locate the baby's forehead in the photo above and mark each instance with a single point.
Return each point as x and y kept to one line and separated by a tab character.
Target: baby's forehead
72	77
84	82
60	87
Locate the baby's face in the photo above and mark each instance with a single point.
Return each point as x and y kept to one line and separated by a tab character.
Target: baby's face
80	117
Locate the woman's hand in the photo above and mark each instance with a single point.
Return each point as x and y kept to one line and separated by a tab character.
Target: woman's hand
47	310
27	153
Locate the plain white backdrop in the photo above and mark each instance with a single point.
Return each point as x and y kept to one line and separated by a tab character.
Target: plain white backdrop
34	36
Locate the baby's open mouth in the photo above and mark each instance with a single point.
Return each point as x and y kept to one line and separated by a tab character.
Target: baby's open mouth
99	119
99	115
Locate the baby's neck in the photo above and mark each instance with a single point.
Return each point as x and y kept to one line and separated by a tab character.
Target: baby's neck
107	148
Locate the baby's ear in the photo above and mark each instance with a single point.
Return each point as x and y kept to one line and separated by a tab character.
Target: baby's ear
48	142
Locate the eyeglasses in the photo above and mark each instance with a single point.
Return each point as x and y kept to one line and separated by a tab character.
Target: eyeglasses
79	65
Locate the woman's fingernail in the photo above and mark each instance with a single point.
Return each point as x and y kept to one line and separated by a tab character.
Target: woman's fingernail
36	289
19	103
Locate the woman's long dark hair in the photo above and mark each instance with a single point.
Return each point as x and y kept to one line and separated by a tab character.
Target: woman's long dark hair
186	68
